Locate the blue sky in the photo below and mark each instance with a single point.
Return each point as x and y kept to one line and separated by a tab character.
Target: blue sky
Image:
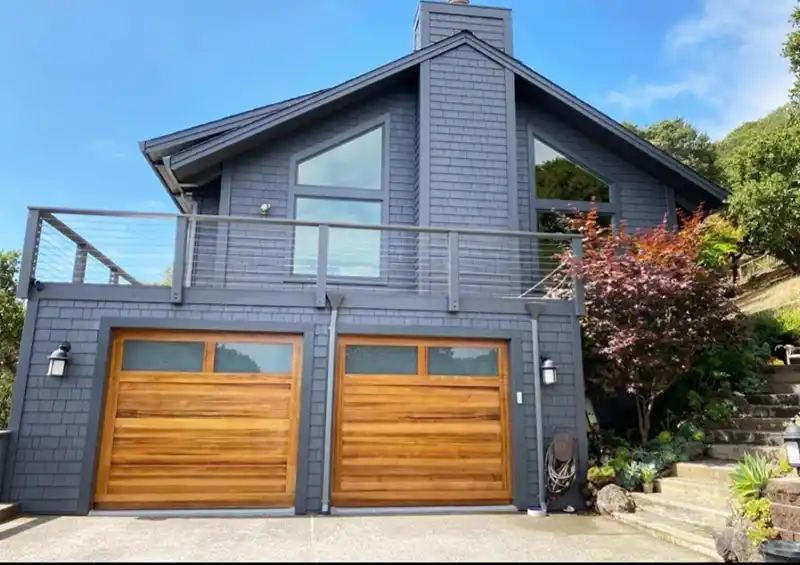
83	81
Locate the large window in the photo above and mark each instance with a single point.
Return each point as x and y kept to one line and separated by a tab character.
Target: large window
353	253
559	178
341	183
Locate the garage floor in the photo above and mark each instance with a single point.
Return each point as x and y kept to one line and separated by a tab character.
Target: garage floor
374	538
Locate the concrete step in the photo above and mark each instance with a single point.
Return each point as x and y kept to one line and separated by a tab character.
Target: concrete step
777	387
713	495
746	436
750	423
701	517
767	411
673	531
735	452
774	399
712	470
8	511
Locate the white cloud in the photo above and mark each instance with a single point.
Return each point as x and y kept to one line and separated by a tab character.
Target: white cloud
730	63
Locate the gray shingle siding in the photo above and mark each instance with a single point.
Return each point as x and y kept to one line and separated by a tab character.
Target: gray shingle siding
642	198
53	449
491	30
261	253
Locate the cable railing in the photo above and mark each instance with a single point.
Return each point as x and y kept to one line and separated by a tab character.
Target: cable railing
255	253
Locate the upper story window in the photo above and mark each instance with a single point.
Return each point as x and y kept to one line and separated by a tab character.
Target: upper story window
357	163
342	180
559	178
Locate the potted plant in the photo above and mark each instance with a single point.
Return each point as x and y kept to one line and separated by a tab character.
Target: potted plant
648	473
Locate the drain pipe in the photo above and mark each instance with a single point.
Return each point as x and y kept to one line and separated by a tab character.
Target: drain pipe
336	301
535	310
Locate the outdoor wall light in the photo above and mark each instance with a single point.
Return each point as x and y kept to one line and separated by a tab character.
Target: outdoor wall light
791	441
549	372
58	361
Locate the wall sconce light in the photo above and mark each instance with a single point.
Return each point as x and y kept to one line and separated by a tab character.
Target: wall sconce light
791	441
549	373
264	210
58	361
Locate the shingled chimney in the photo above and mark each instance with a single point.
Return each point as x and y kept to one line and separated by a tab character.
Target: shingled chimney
438	20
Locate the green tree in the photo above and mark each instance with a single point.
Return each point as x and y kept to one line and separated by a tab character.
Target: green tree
791	50
683	141
12	315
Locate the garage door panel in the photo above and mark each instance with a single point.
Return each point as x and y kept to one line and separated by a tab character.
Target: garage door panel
420	439
202	439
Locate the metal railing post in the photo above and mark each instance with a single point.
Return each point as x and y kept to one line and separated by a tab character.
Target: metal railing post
79	267
113	276
453	301
321	295
179	260
577	284
30	250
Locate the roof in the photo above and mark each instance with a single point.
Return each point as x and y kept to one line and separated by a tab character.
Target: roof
198	149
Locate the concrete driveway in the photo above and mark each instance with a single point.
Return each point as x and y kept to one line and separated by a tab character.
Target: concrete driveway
474	537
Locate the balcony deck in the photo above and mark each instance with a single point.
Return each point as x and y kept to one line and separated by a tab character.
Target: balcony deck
225	253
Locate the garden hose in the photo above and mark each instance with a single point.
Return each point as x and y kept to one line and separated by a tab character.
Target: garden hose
560	463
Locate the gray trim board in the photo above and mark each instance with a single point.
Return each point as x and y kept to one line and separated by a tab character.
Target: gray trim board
100	383
425	144
580	397
672	212
27	268
306	298
18	396
511	152
223	228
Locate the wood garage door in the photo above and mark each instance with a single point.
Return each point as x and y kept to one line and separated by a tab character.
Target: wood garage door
200	420
421	423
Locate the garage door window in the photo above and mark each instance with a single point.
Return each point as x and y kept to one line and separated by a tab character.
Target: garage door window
463	361
380	360
167	356
234	357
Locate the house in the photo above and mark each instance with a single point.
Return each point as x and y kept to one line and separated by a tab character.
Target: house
360	300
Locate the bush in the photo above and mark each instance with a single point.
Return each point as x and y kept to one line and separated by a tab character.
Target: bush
599	477
759	512
652	310
6	382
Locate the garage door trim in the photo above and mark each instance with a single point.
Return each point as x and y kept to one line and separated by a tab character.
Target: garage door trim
101	366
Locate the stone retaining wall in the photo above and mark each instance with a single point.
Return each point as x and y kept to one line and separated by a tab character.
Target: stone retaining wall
784	494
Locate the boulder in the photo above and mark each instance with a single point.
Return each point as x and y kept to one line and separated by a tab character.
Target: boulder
732	543
612	499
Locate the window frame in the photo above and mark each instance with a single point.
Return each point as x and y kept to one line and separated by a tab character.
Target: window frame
612	208
380	196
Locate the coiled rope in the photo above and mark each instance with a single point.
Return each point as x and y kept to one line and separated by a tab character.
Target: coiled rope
560	463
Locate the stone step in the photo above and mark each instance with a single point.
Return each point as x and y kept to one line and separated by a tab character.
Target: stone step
746	436
774	399
735	452
777	387
712	470
673	531
8	511
750	423
701	517
787	377
714	495
767	411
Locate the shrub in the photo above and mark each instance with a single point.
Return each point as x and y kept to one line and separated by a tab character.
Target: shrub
649	473
750	478
6	382
599	477
651	308
759	512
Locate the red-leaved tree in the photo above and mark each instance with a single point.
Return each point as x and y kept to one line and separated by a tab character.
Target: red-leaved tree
651	309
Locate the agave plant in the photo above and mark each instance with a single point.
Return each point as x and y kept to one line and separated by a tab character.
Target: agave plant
750	478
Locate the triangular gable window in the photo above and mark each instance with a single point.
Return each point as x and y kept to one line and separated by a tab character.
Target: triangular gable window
559	178
356	163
